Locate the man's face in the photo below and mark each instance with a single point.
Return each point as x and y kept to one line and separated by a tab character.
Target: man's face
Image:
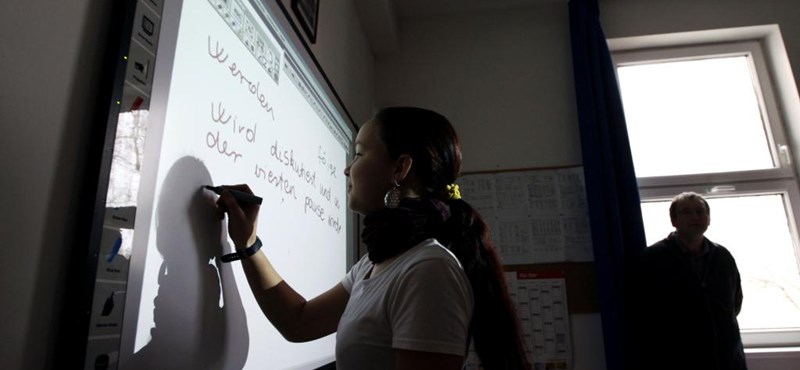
691	217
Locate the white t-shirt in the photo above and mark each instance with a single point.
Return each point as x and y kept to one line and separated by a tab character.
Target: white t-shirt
421	301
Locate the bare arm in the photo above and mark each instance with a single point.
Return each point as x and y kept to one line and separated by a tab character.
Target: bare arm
295	318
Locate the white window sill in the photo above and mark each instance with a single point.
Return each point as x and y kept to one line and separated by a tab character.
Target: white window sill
772	353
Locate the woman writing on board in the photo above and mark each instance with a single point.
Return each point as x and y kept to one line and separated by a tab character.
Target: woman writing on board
431	283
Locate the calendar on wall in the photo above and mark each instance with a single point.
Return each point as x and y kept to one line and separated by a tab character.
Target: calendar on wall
535	216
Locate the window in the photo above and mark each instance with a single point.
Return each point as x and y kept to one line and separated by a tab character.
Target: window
704	118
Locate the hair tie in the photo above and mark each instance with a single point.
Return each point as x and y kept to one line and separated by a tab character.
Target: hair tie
453	192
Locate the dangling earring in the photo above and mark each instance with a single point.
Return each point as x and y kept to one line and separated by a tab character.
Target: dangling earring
392	197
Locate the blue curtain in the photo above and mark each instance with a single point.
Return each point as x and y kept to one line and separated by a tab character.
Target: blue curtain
611	189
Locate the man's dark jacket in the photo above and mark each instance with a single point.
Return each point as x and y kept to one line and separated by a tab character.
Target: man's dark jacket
686	319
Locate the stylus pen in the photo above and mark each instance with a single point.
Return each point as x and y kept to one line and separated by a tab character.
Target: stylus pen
240	196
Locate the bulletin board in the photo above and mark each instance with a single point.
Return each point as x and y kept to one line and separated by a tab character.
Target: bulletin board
539	223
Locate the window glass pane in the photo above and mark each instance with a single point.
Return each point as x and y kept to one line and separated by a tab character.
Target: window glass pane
691	117
755	230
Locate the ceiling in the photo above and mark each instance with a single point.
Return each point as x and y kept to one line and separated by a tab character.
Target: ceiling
380	18
422	8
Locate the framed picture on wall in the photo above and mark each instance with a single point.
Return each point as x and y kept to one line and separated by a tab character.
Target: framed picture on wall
306	12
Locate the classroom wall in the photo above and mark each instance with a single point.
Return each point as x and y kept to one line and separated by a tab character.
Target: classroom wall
343	51
503	77
52	52
622	18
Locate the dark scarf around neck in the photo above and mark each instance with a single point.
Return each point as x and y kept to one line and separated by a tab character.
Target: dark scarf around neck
390	232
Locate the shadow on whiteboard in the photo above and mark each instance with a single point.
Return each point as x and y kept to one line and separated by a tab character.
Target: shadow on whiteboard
198	318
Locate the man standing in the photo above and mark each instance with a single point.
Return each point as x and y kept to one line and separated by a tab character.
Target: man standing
688	296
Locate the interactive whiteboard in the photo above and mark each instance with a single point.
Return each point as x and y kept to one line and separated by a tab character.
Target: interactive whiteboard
234	99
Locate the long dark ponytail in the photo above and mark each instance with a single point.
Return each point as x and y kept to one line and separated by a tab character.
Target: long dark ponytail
435	150
495	325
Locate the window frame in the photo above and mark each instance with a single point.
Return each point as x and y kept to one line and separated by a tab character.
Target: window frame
770	114
781	179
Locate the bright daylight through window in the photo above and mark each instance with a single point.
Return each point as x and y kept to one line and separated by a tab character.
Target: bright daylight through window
704	119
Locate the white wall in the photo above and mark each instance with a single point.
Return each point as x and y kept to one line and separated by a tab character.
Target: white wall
621	18
52	52
344	53
504	78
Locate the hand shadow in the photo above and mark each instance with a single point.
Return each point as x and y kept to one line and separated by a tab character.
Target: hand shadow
194	328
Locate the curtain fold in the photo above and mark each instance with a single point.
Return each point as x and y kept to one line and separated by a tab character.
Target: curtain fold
611	188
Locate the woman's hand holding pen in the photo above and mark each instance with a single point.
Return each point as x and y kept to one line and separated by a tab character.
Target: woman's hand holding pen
242	217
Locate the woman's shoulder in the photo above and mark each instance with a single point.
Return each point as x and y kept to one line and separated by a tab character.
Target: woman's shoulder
357	272
430	249
362	265
430	260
